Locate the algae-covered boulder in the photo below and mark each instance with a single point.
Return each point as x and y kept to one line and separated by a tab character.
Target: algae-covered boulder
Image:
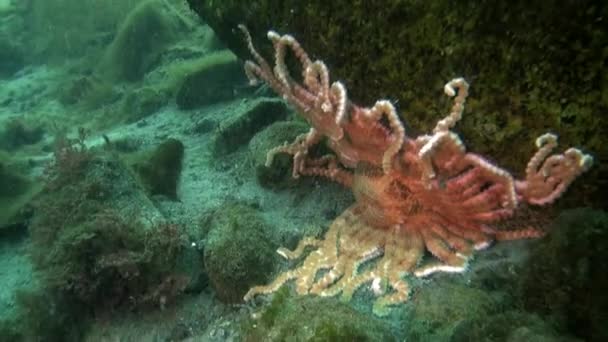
239	253
250	117
11	57
99	244
96	236
142	103
56	29
160	169
452	311
211	78
89	92
16	192
309	318
17	133
510	325
141	37
438	311
565	277
98	239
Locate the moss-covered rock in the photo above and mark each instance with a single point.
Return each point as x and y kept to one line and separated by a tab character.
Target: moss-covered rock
17	133
97	238
11	57
16	192
97	241
308	318
279	174
78	27
42	315
437	312
510	325
140	38
210	79
160	170
90	92
533	67
239	253
142	103
9	330
244	122
565	277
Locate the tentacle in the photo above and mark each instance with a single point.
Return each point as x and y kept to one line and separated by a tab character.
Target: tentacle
468	231
484	200
327	166
548	177
272	287
519	234
338	92
302	245
399	295
458	107
351	279
455	241
386	108
453	261
493	215
495	174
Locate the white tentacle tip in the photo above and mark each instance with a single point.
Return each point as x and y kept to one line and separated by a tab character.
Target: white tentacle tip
586	162
273	35
547	138
449	90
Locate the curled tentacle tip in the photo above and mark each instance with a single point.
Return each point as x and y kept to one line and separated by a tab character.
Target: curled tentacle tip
449	87
244	29
282	252
449	91
545	139
584	161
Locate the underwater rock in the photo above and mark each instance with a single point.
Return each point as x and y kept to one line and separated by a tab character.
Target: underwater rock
56	30
99	244
203	126
40	316
11	58
91	92
249	118
161	170
210	79
142	103
142	36
16	133
310	318
238	252
210	40
16	193
565	278
511	325
279	174
439	310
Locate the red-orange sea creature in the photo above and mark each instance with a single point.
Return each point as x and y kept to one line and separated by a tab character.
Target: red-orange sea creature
413	194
